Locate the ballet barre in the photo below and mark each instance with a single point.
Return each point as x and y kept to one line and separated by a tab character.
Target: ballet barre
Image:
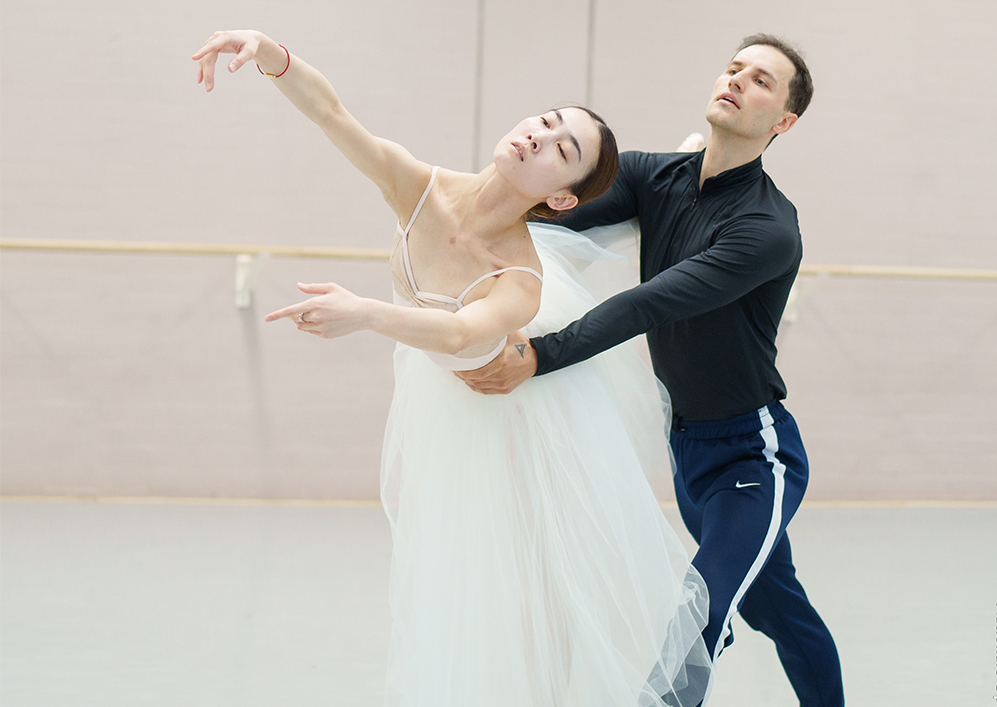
251	258
172	248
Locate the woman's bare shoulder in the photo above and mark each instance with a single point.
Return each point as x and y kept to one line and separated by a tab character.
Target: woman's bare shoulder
410	190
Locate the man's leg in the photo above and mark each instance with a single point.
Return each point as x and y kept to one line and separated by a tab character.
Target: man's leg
741	527
777	606
739	483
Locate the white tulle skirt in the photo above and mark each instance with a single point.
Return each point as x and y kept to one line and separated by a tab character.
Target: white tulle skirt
532	565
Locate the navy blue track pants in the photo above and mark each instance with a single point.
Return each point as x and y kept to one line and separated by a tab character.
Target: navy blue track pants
738	484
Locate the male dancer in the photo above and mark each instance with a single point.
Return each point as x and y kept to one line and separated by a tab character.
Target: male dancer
720	248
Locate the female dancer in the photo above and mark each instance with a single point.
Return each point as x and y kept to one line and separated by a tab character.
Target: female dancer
531	562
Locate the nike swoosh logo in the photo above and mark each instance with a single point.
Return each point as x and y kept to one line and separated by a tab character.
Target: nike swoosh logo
739	485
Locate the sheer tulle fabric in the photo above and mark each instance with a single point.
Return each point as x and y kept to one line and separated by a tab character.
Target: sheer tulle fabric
531	563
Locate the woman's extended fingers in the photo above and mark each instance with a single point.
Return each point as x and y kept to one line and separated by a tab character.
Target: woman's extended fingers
206	57
292	312
246	52
214	44
206	73
241	43
313	304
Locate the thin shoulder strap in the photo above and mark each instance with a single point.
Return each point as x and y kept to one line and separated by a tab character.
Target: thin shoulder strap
496	273
418	207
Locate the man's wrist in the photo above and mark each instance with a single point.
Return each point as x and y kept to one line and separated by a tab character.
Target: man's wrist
535	356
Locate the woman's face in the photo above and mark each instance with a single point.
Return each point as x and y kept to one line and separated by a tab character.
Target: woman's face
545	154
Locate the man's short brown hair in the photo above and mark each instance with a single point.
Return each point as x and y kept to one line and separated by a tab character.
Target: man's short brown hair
801	88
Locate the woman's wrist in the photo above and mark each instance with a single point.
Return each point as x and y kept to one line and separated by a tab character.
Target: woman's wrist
373	314
272	58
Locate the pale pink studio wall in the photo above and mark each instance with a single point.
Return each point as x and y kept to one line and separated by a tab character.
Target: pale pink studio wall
136	375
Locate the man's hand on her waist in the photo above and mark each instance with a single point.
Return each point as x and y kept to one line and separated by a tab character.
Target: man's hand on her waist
516	363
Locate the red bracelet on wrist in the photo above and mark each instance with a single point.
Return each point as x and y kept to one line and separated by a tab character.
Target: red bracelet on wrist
277	76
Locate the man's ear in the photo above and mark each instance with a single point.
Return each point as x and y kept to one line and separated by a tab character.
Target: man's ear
785	124
562	201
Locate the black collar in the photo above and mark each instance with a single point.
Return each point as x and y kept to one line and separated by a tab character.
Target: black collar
737	177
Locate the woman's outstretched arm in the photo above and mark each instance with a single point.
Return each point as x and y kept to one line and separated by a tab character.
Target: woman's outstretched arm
334	311
386	163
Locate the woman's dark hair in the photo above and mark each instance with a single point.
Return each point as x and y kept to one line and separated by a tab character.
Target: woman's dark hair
599	178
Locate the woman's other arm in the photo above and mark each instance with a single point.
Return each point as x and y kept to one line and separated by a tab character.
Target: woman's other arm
385	163
511	304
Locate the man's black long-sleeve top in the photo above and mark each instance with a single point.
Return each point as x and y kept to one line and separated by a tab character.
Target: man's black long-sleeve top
717	265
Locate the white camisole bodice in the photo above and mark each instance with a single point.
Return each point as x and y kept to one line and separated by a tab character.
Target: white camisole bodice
407	293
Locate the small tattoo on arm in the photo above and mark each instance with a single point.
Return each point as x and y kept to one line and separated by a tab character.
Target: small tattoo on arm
521	348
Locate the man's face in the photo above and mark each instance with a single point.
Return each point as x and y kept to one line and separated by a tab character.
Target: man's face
749	98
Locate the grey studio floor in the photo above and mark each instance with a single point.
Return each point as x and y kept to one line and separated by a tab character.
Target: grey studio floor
239	603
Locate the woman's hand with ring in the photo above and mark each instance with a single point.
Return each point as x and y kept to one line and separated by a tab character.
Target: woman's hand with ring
333	312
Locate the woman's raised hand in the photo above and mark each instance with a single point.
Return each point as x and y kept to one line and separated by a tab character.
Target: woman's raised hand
333	312
244	43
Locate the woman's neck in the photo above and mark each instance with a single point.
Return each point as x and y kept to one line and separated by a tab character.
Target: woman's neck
487	205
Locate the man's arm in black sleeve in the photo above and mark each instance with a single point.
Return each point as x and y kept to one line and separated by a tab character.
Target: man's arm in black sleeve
742	259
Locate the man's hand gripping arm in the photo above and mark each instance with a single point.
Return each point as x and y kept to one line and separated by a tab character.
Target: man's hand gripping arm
512	367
